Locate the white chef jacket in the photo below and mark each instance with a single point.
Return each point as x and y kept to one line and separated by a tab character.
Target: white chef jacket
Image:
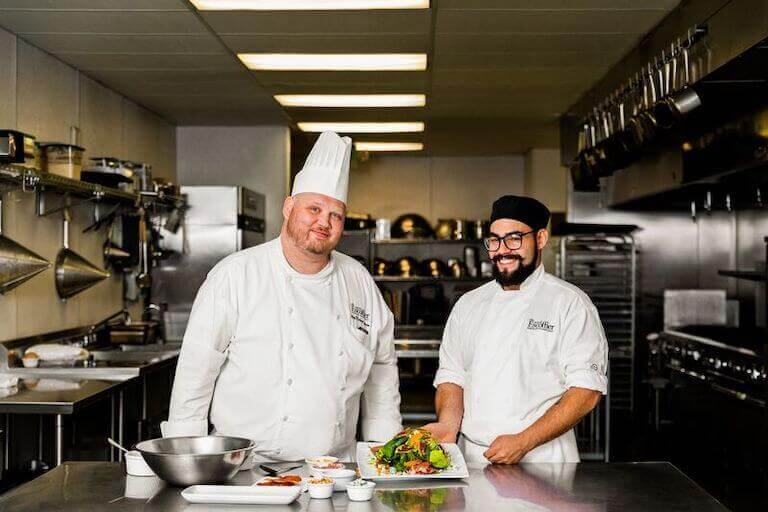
515	353
283	358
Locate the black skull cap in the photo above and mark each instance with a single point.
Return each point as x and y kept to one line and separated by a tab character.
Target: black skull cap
524	209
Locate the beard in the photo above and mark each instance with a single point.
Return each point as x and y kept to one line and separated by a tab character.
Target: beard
517	276
301	237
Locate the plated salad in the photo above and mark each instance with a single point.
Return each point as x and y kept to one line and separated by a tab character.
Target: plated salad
414	451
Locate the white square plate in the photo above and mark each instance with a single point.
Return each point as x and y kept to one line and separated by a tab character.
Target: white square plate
458	467
241	494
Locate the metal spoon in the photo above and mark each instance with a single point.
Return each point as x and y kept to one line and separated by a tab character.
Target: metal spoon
116	444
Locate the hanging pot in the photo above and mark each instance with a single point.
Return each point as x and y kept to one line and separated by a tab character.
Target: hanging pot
680	103
17	263
73	272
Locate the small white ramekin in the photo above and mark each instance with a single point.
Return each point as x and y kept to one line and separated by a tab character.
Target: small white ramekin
320	491
360	493
135	464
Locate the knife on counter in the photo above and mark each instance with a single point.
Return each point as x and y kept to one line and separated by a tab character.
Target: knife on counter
275	468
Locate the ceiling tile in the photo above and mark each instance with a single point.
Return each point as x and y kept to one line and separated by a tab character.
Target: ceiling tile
524	60
576	76
416	79
126	43
213	116
95	5
566	5
500	71
541	22
319	22
363	114
327	43
450	43
90	22
118	61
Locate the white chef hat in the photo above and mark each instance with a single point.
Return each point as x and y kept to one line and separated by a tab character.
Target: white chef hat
326	170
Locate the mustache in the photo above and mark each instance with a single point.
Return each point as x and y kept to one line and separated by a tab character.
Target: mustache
498	257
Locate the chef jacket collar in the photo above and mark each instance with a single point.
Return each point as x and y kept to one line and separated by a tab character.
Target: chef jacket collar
526	287
289	271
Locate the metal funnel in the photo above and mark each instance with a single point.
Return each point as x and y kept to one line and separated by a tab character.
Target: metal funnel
17	263
113	253
73	272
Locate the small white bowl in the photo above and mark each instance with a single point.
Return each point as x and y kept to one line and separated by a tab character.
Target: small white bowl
135	465
321	461
30	362
360	492
320	491
341	477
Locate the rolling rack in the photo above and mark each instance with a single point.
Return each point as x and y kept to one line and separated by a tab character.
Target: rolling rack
604	266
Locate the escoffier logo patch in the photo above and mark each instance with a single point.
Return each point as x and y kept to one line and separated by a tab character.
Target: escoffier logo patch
360	317
540	325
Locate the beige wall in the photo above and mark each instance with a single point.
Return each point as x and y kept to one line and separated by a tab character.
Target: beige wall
257	157
45	97
435	187
546	179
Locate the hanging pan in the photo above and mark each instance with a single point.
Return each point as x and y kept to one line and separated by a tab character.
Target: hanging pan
73	272
17	263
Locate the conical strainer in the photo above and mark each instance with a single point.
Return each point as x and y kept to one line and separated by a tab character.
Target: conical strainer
73	272
17	263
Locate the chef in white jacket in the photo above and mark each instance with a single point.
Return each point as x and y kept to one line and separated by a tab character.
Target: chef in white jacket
290	341
523	357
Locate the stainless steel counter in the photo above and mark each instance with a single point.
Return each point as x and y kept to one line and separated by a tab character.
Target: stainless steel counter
63	391
102	486
44	395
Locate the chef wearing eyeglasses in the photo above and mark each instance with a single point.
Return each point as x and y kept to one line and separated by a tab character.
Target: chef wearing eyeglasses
524	357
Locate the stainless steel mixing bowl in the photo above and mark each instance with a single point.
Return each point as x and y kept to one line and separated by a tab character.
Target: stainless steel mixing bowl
184	461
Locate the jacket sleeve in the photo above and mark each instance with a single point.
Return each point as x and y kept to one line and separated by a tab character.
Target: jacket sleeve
584	349
210	328
452	367
380	407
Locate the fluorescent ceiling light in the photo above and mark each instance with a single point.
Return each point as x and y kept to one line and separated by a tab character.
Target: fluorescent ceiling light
335	61
396	127
389	146
351	100
306	5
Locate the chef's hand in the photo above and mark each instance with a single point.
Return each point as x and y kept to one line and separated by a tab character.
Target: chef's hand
507	449
444	432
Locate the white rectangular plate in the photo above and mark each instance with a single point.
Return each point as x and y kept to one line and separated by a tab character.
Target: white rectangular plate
368	470
241	494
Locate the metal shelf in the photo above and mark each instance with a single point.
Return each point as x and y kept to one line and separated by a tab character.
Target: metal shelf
34	179
426	241
424	279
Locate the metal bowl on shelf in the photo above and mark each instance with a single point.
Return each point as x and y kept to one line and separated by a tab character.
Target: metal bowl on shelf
184	461
407	267
412	226
434	267
382	267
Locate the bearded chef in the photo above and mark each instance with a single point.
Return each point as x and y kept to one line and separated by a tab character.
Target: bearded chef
524	357
290	340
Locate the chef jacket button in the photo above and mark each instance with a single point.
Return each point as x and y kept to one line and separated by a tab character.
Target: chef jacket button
338	424
289	381
343	388
278	451
338	317
285	418
290	310
290	346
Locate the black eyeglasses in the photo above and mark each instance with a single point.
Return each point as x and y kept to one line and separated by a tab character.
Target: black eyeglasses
512	241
